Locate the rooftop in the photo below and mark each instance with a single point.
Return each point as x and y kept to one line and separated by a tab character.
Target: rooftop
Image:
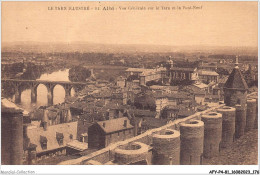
236	80
138	70
67	129
206	72
75	144
8	105
200	85
183	69
114	125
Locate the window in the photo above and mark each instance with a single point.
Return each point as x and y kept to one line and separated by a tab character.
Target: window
60	142
71	136
59	137
43	141
130	131
118	134
44	146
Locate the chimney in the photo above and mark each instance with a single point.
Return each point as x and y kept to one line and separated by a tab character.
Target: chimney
68	116
104	124
125	123
45	120
25	130
45	126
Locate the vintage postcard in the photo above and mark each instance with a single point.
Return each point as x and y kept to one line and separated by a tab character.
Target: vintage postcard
129	83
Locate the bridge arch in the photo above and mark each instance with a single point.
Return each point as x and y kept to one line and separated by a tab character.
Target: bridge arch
59	93
72	91
50	85
39	91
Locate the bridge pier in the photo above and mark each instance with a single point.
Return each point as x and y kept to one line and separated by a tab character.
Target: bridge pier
50	96
67	89
67	93
49	85
17	95
33	94
50	88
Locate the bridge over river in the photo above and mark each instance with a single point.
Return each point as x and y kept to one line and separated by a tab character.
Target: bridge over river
33	84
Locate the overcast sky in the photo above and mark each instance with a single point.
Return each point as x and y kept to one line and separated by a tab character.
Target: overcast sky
216	24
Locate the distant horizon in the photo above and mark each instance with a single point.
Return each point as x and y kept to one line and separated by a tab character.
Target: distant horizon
89	42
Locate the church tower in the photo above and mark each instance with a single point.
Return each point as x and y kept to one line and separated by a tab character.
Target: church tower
169	65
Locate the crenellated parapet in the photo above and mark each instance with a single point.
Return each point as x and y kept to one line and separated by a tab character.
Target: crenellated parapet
183	141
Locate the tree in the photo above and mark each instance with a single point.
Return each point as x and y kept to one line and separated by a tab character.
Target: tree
79	74
145	101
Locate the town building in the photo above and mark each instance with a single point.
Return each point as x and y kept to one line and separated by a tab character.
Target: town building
120	82
208	66
154	75
166	89
103	133
137	71
208	76
52	140
146	75
179	74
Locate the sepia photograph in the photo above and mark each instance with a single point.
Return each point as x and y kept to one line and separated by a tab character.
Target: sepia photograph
130	83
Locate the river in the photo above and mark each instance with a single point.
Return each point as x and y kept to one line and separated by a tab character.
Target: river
58	92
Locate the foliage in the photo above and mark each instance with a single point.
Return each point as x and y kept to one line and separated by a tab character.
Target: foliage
79	74
32	72
145	101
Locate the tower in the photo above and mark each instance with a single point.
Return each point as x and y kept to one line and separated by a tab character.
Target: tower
235	88
169	65
11	136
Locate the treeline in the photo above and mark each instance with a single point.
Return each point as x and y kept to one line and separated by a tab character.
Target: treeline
28	71
233	57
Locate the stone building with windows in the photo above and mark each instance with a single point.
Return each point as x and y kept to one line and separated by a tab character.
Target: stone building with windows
184	71
146	75
51	140
103	133
207	76
178	73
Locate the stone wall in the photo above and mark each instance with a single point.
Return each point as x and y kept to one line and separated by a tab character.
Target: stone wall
227	137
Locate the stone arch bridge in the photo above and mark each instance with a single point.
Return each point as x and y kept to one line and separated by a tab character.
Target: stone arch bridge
33	84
